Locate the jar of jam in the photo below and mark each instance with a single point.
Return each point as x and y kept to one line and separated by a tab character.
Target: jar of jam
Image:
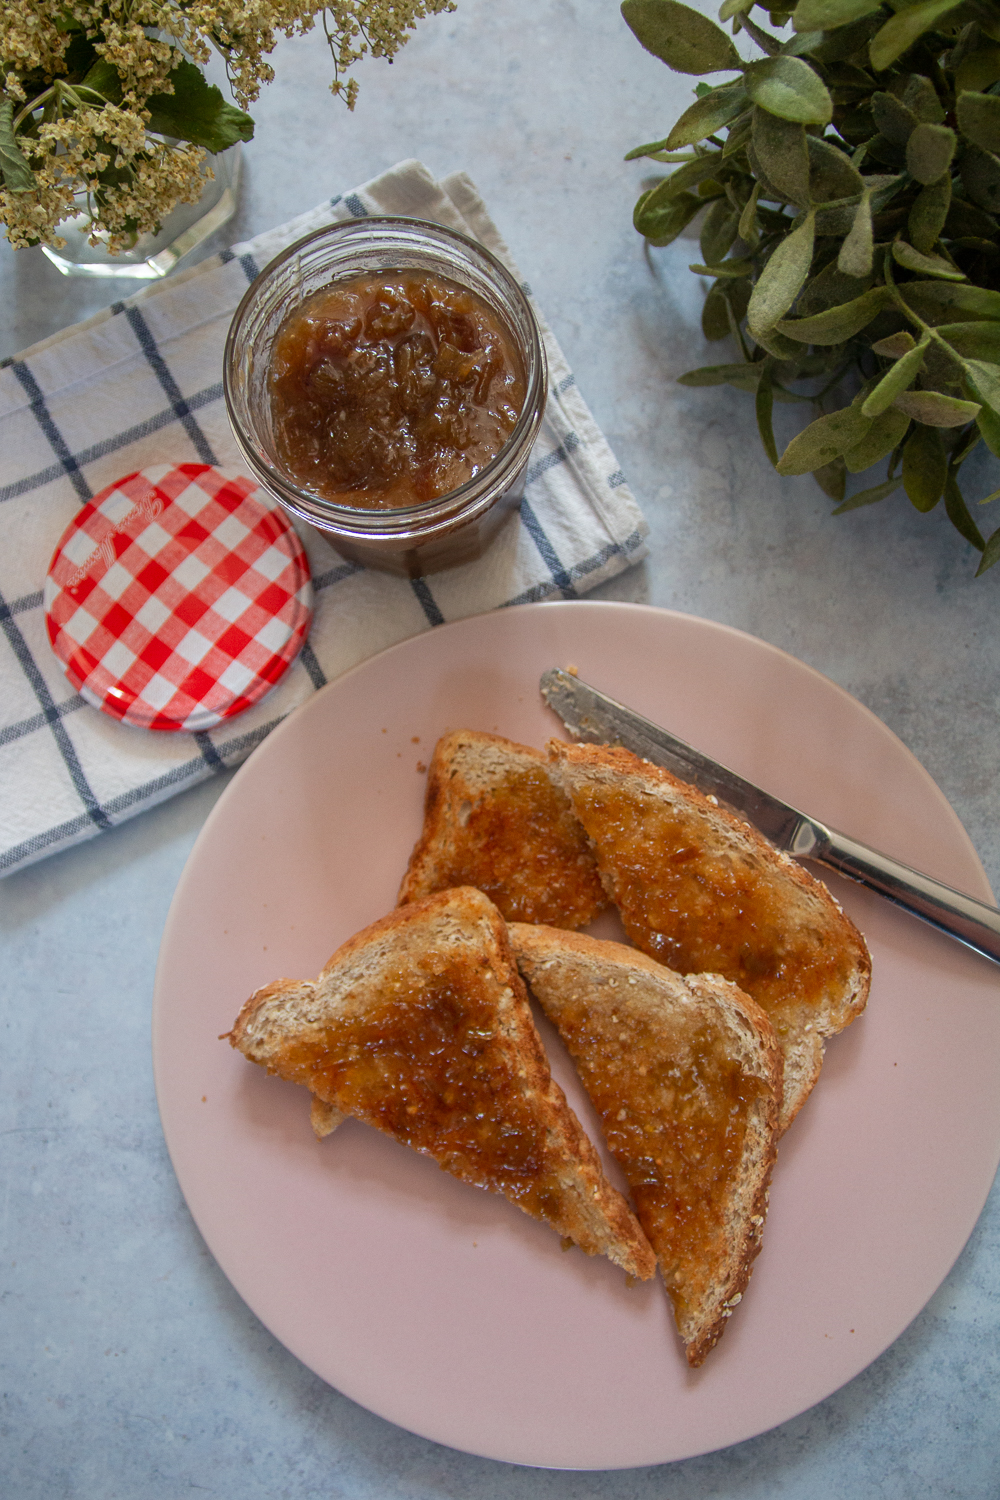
385	380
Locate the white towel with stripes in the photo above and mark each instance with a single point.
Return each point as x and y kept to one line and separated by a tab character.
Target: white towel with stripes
141	384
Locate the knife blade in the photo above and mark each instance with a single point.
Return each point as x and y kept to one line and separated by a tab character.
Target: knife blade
592	716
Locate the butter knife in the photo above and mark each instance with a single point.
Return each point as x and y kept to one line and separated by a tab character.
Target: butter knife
592	716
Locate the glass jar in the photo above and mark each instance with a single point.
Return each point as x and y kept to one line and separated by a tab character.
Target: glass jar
413	540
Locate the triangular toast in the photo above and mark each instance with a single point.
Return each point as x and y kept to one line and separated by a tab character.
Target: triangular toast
494	819
685	1074
704	892
420	1025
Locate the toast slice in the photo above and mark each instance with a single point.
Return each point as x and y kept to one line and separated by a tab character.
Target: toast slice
704	892
420	1025
494	819
686	1076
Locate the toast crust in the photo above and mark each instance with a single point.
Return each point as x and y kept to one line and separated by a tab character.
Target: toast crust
702	891
686	1076
420	1025
494	819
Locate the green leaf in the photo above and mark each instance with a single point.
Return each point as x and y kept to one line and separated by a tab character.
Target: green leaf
928	214
979	68
935	410
991	552
989	428
651	148
718	231
838	324
978	118
788	87
822	441
743	376
855	257
764	404
848	41
197	112
973	340
896	345
929	152
104	79
780	148
825	15
921	96
724	268
832	479
662	218
782	349
732	8
782	278
925	467
737	294
896	380
935	301
688	176
869	497
927	265
747	228
831	175
707	115
17	175
887	430
682	38
715	314
958	512
803	42
739	134
831	288
894	119
984	379
902	30
980	174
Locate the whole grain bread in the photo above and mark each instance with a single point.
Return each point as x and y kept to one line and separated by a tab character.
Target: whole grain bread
686	1077
494	818
420	1025
702	891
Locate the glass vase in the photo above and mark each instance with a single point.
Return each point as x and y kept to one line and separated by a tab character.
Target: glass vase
154	255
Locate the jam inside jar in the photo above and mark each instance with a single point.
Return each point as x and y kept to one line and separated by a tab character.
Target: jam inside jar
392	389
371	374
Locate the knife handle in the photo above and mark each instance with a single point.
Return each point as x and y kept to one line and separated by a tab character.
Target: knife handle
972	922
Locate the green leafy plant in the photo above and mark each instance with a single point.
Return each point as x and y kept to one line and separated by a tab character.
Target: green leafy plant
104	109
850	182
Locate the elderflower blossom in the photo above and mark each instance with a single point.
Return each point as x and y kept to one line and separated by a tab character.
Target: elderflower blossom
82	130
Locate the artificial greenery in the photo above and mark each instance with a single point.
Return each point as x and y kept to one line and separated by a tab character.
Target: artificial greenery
852	183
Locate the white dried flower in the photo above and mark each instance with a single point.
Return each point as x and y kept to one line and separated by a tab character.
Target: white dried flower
77	78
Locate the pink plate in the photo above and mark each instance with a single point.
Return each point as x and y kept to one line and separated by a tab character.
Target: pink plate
443	1308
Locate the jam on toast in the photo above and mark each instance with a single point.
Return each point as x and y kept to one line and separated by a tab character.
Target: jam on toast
686	1077
494	819
420	1025
703	891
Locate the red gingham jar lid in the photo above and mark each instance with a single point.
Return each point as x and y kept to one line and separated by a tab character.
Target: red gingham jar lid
178	597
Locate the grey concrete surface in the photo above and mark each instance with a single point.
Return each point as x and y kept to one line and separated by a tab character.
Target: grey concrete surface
130	1367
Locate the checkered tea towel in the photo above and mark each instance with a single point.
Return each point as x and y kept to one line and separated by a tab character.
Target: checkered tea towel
141	384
